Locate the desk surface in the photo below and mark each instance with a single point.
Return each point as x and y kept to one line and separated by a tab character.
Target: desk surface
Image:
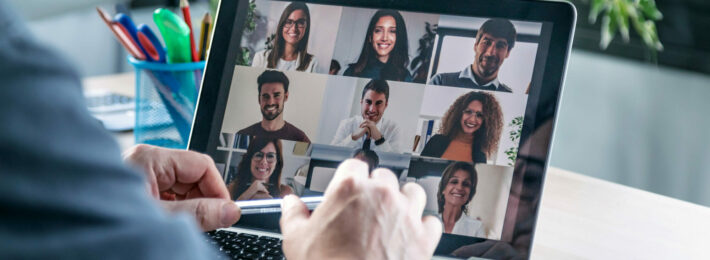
580	217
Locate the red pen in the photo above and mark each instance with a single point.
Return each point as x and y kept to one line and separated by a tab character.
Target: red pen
122	35
185	7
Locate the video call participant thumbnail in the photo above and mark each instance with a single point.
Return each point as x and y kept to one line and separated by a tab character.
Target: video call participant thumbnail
470	130
456	189
291	44
369	130
494	41
259	172
273	94
385	51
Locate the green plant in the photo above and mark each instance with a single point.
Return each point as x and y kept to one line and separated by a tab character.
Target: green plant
420	63
514	135
249	27
619	15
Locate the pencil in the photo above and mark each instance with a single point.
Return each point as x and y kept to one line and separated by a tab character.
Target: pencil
205	35
185	7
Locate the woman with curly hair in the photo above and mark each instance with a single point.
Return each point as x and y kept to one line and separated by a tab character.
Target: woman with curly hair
470	130
259	172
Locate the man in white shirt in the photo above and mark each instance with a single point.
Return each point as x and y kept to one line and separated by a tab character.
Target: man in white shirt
369	130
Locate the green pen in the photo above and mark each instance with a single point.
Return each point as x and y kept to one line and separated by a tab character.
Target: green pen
176	35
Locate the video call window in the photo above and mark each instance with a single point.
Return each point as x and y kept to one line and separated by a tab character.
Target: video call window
439	100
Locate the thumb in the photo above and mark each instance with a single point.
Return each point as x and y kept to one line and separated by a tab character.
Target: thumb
293	212
210	213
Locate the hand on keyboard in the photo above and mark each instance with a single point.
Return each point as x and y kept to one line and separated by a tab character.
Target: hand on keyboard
186	181
361	217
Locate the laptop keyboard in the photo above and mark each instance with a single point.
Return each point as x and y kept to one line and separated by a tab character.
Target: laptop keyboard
235	245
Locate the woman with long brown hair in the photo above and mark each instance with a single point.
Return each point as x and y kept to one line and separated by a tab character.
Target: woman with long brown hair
385	51
259	172
290	46
470	129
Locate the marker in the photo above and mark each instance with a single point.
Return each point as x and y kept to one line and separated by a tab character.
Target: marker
185	7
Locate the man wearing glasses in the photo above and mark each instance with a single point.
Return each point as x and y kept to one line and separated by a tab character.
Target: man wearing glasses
273	94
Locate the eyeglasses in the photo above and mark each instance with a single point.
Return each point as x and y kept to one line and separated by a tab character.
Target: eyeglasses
258	156
300	23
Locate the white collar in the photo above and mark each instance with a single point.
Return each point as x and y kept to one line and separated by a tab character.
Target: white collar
468	73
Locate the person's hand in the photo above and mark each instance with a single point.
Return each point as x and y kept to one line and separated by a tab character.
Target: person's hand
360	134
372	129
256	190
361	217
191	179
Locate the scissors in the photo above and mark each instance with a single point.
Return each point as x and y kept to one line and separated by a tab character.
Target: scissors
122	35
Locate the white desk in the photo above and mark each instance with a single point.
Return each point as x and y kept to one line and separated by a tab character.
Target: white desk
581	217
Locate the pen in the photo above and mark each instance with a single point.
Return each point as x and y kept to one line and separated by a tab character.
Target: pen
185	7
123	37
205	35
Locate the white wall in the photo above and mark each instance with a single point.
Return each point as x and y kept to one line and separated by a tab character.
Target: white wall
322	32
302	109
343	101
353	27
438	99
636	124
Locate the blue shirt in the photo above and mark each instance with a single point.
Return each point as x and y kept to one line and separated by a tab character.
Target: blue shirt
64	190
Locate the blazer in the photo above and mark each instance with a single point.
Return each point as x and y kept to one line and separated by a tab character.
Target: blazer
437	146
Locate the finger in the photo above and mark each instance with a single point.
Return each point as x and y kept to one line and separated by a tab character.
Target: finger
383	176
432	232
416	196
351	168
210	214
294	213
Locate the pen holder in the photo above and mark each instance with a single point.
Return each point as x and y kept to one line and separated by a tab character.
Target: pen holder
166	95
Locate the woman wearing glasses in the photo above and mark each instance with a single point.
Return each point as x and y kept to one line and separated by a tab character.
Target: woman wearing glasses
259	172
290	46
470	129
385	51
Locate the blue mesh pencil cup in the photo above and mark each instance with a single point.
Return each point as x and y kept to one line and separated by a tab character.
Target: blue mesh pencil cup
166	96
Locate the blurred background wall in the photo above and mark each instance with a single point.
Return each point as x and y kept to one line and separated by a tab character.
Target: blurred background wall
627	116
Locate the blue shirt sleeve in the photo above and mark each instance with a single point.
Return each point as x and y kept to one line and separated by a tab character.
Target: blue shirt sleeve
64	190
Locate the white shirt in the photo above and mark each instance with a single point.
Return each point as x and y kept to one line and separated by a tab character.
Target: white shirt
466	226
388	129
260	61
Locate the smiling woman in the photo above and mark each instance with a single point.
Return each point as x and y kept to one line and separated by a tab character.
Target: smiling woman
291	44
456	190
385	51
259	172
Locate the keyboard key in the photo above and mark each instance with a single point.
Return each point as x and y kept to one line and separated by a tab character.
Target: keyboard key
249	255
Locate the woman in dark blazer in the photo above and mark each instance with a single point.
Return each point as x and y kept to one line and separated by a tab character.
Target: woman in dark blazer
470	129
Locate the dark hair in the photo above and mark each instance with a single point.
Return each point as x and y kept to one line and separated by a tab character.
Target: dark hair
302	46
371	157
446	176
379	86
499	28
244	176
396	67
334	65
486	138
272	76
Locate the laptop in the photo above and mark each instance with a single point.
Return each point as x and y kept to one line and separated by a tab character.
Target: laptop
460	98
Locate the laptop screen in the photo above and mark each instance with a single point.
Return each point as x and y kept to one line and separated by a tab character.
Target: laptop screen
438	99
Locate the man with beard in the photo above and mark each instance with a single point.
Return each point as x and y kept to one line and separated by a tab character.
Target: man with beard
369	131
273	93
494	41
